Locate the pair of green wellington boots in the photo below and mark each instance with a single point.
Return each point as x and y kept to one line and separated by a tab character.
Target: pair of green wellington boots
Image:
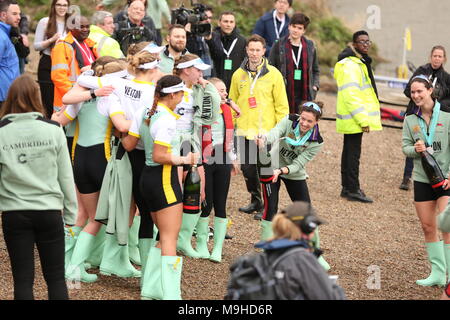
220	230
267	233
162	276
439	258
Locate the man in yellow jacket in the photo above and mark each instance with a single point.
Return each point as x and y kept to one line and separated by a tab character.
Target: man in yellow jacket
258	89
102	28
69	56
358	110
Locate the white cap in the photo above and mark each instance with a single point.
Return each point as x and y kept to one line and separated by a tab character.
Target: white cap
153	48
176	88
197	63
149	65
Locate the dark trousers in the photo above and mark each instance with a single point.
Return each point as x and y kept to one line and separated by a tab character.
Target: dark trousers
217	184
248	155
409	166
158	37
46	84
297	190
351	153
23	229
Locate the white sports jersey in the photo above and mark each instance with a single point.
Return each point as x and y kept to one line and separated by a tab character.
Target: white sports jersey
185	109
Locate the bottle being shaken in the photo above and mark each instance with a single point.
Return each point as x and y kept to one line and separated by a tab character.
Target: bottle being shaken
191	192
429	164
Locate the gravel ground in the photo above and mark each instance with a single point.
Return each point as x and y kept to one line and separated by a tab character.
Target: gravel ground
358	239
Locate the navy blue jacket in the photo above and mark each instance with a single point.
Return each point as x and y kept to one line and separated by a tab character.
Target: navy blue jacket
266	29
9	63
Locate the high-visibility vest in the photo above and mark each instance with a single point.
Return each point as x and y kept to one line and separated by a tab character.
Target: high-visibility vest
357	104
65	68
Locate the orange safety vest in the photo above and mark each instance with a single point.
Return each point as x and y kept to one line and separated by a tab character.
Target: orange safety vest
66	66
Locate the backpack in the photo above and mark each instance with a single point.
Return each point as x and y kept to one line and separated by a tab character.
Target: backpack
254	278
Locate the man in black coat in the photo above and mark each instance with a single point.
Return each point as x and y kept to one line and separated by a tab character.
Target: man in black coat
227	48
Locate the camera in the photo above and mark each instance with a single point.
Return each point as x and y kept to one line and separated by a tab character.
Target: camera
195	16
135	33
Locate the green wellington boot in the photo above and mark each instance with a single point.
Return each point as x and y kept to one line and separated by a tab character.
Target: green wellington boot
151	287
202	238
220	230
321	259
116	260
75	269
438	267
133	241
266	230
447	259
69	244
184	237
144	248
171	277
95	258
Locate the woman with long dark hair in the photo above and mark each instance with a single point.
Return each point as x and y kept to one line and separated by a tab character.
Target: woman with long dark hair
37	186
160	183
48	31
427	129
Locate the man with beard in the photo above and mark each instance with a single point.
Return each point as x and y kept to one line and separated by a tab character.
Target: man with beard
357	110
176	47
69	56
227	48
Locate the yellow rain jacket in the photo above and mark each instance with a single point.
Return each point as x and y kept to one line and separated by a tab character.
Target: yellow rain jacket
357	104
271	100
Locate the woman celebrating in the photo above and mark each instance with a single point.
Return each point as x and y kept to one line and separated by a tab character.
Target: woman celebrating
201	107
91	152
295	141
160	184
48	30
441	91
426	129
36	186
218	155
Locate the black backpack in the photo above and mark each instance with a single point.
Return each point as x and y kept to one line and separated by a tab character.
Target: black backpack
254	278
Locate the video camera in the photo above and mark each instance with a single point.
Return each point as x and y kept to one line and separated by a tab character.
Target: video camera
135	33
195	16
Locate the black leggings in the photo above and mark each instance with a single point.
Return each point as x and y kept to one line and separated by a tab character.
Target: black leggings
217	183
137	161
46	84
297	190
21	230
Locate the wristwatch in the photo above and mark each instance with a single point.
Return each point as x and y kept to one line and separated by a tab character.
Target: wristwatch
228	101
92	91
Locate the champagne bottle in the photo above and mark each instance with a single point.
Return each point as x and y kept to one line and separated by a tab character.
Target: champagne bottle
191	193
430	165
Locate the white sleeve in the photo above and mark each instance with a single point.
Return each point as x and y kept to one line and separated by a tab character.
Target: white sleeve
39	36
87	80
113	105
163	131
72	111
136	123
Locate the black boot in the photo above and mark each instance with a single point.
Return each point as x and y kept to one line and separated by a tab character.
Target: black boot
358	196
252	207
405	183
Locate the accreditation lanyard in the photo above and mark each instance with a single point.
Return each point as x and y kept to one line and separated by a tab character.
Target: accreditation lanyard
297	71
278	31
434	120
87	54
229	63
252	87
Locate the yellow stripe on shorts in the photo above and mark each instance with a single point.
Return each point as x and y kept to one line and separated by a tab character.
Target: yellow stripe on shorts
167	184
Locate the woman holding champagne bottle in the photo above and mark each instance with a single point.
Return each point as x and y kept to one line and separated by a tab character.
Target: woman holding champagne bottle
427	130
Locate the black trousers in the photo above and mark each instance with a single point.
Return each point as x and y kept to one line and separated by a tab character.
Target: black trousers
23	229
217	184
46	84
248	155
351	153
297	190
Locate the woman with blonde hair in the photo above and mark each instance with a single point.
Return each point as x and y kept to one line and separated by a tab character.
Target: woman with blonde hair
37	190
201	107
302	276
